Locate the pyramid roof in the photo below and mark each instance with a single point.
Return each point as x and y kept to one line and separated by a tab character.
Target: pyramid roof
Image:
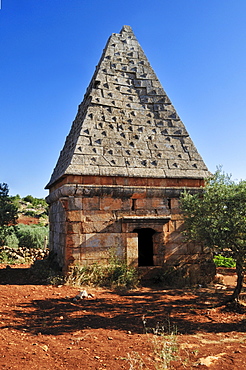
126	124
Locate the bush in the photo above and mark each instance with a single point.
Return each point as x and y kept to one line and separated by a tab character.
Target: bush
221	261
8	213
31	214
31	236
115	274
35	201
16	200
12	241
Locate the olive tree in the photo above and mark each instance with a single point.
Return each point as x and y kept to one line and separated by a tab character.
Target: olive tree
8	213
216	217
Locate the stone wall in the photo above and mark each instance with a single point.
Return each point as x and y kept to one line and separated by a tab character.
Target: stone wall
88	221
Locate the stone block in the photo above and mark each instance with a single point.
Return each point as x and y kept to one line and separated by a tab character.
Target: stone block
99	216
141	204
90	255
126	206
91	203
75	253
111	171
114	161
114	227
110	204
181	259
111	240
157	203
146	172
87	170
131	242
175	237
74	227
91	150
72	240
175	204
74	216
91	160
93	227
172	248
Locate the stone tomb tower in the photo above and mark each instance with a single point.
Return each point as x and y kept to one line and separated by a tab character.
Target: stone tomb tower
119	176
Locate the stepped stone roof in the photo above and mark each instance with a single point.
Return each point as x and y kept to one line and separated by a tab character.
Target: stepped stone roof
126	124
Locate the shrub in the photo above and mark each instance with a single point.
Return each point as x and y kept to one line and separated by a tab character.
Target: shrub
16	200
115	274
8	213
12	241
221	261
35	201
31	236
30	214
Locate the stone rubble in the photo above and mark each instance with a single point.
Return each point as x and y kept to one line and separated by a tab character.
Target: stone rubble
28	254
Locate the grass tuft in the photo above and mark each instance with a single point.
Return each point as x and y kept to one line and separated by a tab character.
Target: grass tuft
114	274
163	342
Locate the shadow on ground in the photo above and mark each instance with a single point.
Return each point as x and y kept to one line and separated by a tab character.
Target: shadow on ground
19	276
184	310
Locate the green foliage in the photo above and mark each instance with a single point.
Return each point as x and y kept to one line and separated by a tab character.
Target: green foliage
16	200
34	207
30	213
8	213
35	201
12	240
221	261
115	274
28	198
31	236
216	218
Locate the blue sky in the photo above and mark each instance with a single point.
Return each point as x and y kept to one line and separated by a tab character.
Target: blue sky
49	50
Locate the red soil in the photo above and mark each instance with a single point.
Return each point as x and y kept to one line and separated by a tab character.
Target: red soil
42	327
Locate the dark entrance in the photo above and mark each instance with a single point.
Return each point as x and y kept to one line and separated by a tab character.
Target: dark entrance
145	246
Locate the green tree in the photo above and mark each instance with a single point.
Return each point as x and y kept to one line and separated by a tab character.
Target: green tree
216	217
8	213
35	201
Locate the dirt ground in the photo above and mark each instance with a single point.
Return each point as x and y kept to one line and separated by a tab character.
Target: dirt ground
43	327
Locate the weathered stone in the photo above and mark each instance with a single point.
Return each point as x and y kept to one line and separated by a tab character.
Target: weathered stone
114	98
125	162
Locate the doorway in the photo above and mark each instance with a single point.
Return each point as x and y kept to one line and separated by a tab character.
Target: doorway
145	246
